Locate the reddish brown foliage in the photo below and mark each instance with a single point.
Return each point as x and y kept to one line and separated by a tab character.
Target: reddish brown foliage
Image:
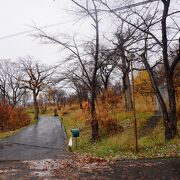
12	118
111	126
86	106
106	105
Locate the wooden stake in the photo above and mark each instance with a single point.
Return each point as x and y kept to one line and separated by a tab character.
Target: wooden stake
134	112
76	143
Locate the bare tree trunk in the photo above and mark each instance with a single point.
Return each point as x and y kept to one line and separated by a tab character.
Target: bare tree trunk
4	119
94	121
79	99
126	85
106	84
80	103
171	122
128	95
171	131
169	118
36	110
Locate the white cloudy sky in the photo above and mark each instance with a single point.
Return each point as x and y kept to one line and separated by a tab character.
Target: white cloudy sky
17	15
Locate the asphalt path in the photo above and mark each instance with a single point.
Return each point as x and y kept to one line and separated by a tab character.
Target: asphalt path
45	139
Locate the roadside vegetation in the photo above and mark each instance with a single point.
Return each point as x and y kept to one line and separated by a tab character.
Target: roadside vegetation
13	120
120	144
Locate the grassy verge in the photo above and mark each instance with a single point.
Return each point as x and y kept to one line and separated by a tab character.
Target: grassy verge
120	145
8	133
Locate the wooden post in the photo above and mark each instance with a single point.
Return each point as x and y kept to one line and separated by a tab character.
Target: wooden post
134	112
76	143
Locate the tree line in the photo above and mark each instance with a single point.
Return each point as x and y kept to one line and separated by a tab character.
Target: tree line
147	37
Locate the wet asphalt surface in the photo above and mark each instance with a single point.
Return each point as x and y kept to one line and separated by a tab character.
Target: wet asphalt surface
45	139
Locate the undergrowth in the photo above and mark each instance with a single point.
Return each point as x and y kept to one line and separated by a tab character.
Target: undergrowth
17	119
120	145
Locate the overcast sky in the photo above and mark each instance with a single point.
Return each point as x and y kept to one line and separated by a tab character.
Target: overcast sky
17	15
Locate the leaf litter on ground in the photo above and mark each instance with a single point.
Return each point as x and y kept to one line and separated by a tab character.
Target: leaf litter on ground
73	166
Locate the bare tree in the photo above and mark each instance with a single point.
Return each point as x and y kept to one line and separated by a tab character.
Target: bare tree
126	37
91	59
84	8
25	98
54	95
76	82
3	80
108	62
36	78
11	89
156	27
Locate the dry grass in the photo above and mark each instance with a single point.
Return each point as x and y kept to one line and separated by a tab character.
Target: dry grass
120	144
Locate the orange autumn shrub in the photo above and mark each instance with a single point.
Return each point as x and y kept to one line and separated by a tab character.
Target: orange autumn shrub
107	103
12	118
111	126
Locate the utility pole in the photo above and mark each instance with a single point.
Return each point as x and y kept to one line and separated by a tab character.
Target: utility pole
134	5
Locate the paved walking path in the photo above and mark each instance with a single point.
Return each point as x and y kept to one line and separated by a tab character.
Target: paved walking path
45	139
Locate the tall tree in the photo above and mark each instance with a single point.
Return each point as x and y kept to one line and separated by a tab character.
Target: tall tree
109	61
36	78
89	62
76	82
10	84
126	37
152	23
